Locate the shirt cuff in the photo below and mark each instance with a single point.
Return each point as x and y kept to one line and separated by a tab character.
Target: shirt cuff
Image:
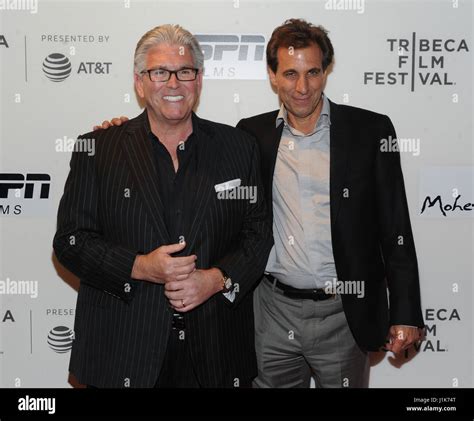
229	295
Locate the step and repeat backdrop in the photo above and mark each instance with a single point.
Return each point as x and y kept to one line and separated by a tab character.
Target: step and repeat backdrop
68	65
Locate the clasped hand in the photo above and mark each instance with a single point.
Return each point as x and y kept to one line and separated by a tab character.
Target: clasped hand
185	286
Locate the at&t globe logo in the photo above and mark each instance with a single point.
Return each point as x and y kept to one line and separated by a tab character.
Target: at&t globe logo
60	339
57	67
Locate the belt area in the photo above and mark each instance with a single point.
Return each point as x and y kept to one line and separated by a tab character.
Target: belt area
308	294
178	321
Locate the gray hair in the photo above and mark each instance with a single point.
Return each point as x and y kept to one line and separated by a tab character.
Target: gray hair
167	34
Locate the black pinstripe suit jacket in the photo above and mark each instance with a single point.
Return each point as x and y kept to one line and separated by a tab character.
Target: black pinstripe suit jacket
111	210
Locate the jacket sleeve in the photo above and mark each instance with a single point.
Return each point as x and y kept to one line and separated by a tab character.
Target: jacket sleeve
246	262
395	234
79	243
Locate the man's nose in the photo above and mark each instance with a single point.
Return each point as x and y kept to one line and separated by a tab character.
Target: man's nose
302	85
173	81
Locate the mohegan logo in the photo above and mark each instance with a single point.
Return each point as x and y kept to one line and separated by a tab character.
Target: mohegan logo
420	61
60	339
57	67
446	208
229	56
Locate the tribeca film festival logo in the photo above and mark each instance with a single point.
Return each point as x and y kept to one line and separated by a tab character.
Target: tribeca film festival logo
432	343
18	190
420	61
27	5
233	56
60	339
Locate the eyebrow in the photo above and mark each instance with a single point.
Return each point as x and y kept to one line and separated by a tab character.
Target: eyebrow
166	68
296	71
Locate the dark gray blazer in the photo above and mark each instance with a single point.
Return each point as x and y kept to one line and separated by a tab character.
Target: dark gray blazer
370	225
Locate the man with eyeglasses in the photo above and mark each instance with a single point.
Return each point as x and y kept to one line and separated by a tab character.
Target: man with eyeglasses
166	261
341	227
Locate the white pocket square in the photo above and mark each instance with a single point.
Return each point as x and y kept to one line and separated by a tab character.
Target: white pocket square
231	184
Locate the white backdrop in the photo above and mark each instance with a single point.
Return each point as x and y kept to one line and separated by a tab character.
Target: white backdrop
425	87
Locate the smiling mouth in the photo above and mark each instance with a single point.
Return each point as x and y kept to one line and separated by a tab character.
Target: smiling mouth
173	98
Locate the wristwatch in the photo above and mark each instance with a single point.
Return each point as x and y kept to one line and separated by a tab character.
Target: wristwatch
227	284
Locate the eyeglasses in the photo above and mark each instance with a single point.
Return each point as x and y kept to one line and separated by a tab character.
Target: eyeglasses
163	75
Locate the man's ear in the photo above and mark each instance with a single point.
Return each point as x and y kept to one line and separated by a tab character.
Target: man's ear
271	75
199	78
325	78
139	85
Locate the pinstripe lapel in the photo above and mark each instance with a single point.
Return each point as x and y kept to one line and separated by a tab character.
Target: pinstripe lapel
202	185
339	132
142	166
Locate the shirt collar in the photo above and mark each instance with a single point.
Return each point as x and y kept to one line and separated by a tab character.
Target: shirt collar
324	117
194	133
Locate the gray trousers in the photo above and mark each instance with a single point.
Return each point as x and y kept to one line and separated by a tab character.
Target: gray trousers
297	339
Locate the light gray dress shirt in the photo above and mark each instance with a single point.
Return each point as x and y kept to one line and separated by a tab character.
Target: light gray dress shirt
302	255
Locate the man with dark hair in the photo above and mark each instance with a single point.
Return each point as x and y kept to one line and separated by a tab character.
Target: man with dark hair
341	227
340	224
295	34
